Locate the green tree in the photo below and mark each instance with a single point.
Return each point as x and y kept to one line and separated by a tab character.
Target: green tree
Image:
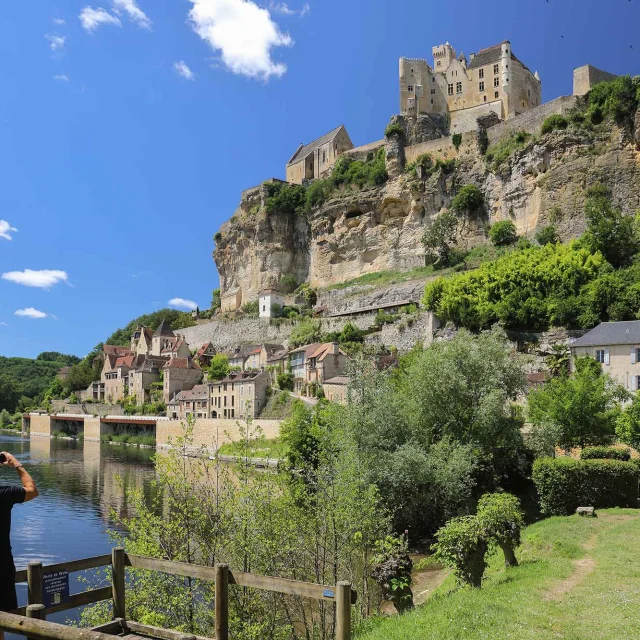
547	235
578	410
502	519
219	367
559	360
304	332
8	394
628	423
553	122
216	299
439	239
503	233
468	200
284	381
5	419
285	198
609	231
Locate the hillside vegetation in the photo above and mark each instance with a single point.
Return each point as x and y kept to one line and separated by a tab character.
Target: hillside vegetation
578	578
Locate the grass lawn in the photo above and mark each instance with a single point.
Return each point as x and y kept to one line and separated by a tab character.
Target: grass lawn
259	448
578	579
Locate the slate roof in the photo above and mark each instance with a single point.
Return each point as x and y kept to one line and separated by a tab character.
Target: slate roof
608	333
181	363
491	55
164	329
344	380
278	355
306	149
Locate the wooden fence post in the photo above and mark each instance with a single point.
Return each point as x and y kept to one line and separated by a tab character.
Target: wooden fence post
36	611
222	602
118	582
34	580
343	611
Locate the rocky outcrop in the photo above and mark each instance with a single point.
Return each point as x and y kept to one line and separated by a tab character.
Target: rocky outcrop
380	228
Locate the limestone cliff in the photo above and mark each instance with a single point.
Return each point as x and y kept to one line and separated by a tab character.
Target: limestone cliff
378	228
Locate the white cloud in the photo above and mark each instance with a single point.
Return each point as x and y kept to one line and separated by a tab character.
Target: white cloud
91	19
183	304
136	14
285	9
182	69
59	21
243	33
56	42
30	312
3	324
61	77
6	229
43	279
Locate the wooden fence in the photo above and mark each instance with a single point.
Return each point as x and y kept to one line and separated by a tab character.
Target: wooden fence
35	625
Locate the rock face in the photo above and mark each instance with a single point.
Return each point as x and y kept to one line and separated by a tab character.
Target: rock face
380	228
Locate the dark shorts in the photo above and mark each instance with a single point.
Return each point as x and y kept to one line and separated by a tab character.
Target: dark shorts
8	597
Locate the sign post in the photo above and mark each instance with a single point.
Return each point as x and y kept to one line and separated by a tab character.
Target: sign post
55	588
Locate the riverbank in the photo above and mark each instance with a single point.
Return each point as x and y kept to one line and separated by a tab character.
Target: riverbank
578	578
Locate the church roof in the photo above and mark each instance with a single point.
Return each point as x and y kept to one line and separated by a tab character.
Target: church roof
304	150
164	329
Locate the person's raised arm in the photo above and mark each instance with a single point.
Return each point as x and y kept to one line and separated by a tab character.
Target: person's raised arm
28	484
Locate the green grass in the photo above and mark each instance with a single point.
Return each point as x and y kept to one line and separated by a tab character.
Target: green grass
497	154
126	438
381	278
258	448
279	406
548	596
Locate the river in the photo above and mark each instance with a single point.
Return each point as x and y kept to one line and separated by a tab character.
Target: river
79	488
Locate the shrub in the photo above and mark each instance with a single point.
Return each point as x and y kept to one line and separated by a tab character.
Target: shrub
384	317
462	545
305	332
288	283
553	122
498	154
564	484
439	239
547	235
502	520
285	198
394	129
468	200
251	309
5	419
605	453
617	99
218	236
456	138
219	367
503	233
285	381
392	566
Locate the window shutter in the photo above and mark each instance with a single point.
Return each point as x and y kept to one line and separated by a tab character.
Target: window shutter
606	356
633	355
634	383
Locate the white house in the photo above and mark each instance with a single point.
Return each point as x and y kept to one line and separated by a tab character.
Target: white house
267	300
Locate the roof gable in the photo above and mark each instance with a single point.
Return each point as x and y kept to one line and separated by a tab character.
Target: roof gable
306	149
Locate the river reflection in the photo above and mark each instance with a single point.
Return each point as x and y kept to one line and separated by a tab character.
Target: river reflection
78	485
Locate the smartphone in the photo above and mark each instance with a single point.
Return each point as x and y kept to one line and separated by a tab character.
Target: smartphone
3	458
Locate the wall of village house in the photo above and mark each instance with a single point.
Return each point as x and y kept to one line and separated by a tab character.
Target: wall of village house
621	366
176	380
335	392
213	433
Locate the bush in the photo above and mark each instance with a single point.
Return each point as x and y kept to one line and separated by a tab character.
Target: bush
498	154
384	317
462	546
553	122
617	99
547	235
439	239
502	520
288	283
251	309
564	484
456	138
219	367
285	198
218	236
305	332
5	419
503	233
395	129
468	200
605	453
285	381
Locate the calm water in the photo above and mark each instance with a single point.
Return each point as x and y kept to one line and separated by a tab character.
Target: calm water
78	484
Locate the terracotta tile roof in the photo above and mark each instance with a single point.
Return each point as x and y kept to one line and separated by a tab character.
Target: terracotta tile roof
112	349
324	350
307	348
203	348
181	363
124	361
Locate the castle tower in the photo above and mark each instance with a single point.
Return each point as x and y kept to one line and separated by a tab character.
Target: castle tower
443	55
415	84
505	66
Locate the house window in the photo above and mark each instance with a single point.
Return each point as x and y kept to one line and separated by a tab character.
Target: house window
264	308
485	98
410	87
496	82
496	68
481	74
433	79
496	94
529	92
433	92
324	156
450	89
458	87
481	86
637	355
600	356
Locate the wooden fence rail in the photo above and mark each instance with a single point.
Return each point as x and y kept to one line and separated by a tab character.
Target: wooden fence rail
221	575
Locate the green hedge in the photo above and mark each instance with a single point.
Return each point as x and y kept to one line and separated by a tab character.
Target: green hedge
605	453
564	484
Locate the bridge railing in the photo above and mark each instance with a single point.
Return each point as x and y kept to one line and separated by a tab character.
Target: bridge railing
341	594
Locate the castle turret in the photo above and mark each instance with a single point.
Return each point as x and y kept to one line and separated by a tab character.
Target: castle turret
505	66
443	55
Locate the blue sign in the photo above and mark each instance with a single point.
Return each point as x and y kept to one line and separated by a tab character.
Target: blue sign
328	593
55	588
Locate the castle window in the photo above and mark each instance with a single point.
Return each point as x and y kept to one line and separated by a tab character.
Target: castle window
458	87
324	156
496	82
450	89
433	79
433	92
438	63
481	74
431	100
481	86
497	94
410	87
529	92
496	68
485	98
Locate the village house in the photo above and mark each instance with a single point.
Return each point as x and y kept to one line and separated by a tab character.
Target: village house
204	355
312	364
240	354
316	159
231	301
335	389
241	394
180	374
270	303
193	402
616	346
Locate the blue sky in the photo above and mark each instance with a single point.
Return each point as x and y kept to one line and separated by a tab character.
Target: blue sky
128	128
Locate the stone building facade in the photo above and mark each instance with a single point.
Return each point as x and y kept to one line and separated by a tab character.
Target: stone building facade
180	374
316	159
241	394
494	79
586	76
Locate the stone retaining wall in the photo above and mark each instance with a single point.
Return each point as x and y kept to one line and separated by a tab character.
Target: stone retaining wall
86	408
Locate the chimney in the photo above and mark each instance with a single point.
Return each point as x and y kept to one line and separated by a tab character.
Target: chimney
335	349
471	57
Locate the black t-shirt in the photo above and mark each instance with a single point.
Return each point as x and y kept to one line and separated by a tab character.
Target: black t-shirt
9	495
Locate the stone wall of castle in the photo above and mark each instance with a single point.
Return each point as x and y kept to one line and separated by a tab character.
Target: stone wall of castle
585	77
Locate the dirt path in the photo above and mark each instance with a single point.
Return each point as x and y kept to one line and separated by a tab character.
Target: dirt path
583	567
